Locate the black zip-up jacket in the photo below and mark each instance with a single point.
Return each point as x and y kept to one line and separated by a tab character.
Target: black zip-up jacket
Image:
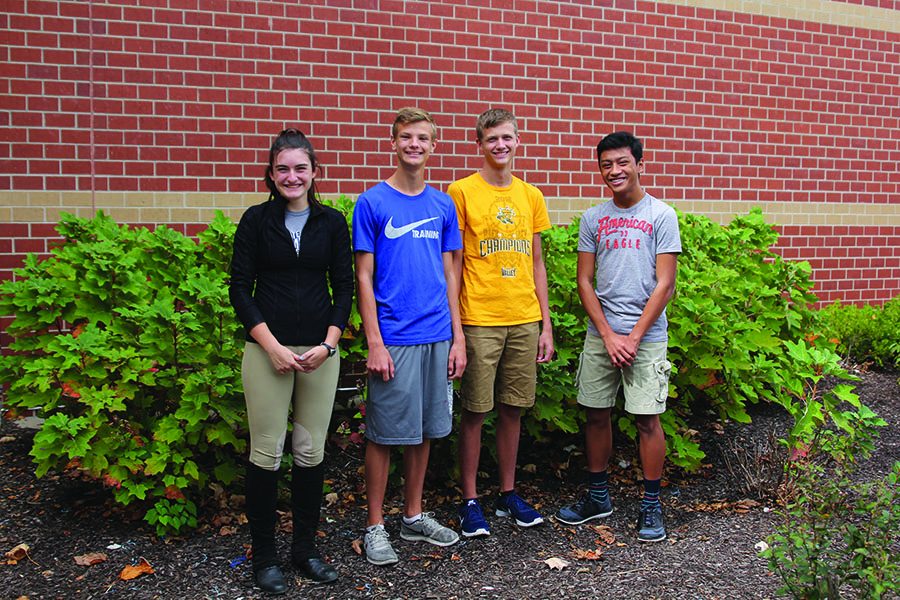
271	284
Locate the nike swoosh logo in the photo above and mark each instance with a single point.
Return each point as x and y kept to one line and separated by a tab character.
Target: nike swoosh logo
392	232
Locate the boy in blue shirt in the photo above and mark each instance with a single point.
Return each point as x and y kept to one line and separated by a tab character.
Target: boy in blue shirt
404	235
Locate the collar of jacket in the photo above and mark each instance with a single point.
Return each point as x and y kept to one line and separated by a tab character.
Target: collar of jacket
314	208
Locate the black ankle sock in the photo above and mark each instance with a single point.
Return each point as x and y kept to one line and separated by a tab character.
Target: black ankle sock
598	486
651	493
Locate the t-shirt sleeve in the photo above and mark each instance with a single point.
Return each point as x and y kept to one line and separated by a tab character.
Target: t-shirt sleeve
459	201
363	226
451	238
668	235
587	234
539	210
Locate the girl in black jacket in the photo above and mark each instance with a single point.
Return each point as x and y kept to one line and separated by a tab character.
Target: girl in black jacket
292	287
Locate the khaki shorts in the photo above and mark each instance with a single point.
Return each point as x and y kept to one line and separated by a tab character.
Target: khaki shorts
502	366
645	383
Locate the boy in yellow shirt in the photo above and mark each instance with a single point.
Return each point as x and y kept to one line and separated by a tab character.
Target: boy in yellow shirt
504	311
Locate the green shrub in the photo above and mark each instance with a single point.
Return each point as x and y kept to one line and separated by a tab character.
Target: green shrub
834	531
126	343
736	306
555	407
866	333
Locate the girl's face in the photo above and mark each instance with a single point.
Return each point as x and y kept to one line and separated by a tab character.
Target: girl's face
293	174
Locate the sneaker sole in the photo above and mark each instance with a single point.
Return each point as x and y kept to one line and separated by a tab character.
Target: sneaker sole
590	518
418	537
506	513
650	540
477	533
381	563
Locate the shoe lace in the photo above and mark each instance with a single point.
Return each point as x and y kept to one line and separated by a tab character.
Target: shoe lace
379	537
649	519
582	502
430	524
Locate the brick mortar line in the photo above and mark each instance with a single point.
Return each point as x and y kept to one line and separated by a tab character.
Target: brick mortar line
826	12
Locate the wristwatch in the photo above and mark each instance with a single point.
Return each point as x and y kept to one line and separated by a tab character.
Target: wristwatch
331	349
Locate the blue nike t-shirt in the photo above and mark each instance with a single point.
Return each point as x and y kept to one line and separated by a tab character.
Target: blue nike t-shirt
407	236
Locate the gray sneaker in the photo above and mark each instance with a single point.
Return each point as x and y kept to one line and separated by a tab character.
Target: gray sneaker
651	526
428	530
378	547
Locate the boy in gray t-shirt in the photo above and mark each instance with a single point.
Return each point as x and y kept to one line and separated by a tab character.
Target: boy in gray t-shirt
627	261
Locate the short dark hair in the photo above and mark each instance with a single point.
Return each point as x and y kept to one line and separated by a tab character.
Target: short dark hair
621	139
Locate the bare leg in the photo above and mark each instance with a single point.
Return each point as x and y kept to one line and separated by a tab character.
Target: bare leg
469	451
652	445
509	425
415	463
598	439
378	462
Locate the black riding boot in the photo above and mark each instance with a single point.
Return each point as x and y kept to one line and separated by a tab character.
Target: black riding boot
306	503
262	494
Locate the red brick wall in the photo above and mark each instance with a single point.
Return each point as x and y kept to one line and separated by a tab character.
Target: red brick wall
751	109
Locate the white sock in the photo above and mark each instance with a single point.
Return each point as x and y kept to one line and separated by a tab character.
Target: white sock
412	519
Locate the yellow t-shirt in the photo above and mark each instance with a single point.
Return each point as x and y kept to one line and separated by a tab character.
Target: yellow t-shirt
498	227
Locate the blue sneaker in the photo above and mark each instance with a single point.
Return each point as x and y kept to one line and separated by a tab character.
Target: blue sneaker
513	506
584	509
651	527
471	520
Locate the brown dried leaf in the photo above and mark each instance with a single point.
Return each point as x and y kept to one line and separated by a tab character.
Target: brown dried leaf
227	530
556	563
132	571
605	534
18	553
580	554
330	498
90	559
740	506
357	546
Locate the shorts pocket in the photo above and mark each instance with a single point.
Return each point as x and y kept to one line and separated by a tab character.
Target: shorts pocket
663	369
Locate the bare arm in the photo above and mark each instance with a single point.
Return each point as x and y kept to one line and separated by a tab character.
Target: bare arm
379	361
621	351
545	341
666	270
456	363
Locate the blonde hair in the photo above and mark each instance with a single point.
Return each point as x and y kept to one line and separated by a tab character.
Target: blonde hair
411	114
493	117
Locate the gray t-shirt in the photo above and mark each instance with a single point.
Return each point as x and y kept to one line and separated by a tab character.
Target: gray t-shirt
625	243
295	221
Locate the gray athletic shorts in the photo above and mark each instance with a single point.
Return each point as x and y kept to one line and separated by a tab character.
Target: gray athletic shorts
417	403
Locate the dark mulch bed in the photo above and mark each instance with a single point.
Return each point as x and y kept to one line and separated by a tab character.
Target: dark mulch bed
709	554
